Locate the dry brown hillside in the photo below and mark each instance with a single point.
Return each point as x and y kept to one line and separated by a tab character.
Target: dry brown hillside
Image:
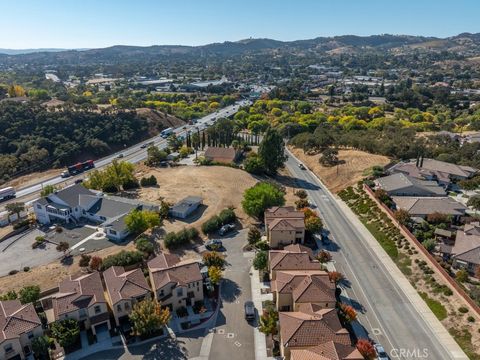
158	120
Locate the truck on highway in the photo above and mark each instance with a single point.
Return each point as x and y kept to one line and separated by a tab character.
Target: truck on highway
78	168
166	132
7	193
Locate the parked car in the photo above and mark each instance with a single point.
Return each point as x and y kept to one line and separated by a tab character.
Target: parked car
249	310
381	354
226	228
214	244
78	181
301	166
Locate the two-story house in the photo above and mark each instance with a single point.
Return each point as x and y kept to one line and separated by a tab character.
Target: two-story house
176	283
81	298
284	226
293	257
19	325
124	289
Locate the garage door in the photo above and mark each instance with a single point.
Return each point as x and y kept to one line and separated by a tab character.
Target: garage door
102	331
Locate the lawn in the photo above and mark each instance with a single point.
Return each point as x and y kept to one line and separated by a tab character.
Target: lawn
437	308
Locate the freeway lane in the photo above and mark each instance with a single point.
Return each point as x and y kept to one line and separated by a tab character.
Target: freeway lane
133	154
387	316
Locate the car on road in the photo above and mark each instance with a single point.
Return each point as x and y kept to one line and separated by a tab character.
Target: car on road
143	146
184	128
381	354
301	166
78	181
65	174
249	310
214	244
226	229
119	156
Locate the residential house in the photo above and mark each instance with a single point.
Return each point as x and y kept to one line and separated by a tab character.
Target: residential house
19	325
81	298
124	289
327	351
465	252
226	155
403	185
423	206
295	287
293	257
310	326
284	226
75	203
176	283
429	169
185	207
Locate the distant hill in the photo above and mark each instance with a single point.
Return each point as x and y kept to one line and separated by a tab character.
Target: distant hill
123	53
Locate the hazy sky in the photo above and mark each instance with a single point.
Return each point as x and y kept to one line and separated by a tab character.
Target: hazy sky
99	23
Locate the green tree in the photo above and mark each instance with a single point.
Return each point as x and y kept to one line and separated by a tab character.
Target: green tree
301	194
254	165
174	142
66	332
402	216
148	317
254	235
84	260
329	157
462	275
29	294
41	346
155	156
213	259
47	190
261	197
313	224
138	221
63	246
15	208
272	151
144	245
268	321
10	295
260	261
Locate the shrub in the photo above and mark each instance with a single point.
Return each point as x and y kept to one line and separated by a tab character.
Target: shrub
26	268
254	235
130	184
463	309
173	240
96	263
21	224
148	181
123	258
12	272
84	260
213	259
145	246
261	197
470	319
217	221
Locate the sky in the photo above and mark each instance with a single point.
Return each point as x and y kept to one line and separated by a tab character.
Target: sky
100	23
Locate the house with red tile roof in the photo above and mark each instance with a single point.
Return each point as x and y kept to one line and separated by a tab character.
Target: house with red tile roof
222	154
284	226
292	257
308	327
19	325
327	351
81	298
124	290
292	288
176	283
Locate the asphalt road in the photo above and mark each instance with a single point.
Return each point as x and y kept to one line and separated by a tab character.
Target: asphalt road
233	338
386	314
132	154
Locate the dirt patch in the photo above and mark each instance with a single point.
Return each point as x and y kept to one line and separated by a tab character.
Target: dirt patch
347	174
219	187
159	120
33	178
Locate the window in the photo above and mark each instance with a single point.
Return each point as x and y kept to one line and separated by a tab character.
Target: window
113	232
39	206
30	335
8	348
82	313
161	292
119	307
97	309
179	292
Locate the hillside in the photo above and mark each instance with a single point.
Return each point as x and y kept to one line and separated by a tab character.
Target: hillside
157	120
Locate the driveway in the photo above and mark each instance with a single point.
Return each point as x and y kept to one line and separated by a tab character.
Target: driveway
233	338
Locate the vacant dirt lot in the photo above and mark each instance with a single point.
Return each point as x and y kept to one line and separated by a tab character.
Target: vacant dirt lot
219	186
342	176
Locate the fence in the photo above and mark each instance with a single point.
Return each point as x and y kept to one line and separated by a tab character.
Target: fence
431	260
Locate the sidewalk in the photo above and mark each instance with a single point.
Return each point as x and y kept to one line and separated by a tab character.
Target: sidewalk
258	298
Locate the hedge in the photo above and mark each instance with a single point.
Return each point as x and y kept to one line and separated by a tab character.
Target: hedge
217	221
173	239
123	258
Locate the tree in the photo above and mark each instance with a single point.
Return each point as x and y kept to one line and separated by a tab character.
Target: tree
63	246
324	256
254	235
66	332
254	165
164	209
402	216
301	194
15	208
329	157
174	142
272	151
366	348
382	195
215	274
438	218
301	204
347	312
336	277
138	221
84	260
462	275
41	346
16	91
213	259
29	294
474	202
145	246
10	295
261	197
313	224
96	263
260	261
47	190
429	244
148	317
268	321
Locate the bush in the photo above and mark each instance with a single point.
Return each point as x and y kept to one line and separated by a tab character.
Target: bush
123	258
26	268
213	259
145	246
84	260
216	222
463	309
261	197
130	184
148	181
12	272
173	240
470	319
21	224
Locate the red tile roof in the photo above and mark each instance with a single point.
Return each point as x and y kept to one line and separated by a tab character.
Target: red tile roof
285	260
178	273
16	319
122	285
327	351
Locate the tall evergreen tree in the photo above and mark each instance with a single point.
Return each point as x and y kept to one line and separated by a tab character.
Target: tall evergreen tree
272	151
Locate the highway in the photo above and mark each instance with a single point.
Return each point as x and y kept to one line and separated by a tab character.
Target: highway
387	316
133	154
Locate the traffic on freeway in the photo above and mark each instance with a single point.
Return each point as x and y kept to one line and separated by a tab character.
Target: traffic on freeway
135	153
